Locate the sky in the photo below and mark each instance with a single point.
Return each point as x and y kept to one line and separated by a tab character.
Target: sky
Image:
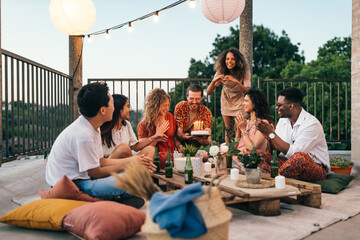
162	49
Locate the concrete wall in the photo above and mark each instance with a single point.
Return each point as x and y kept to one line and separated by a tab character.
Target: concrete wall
355	82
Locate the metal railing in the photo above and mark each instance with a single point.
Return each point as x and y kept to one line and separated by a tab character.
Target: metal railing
327	99
35	103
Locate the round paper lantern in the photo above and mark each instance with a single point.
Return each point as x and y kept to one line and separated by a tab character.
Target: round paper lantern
222	11
73	17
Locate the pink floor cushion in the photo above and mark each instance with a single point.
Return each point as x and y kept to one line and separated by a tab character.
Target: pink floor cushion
104	220
66	189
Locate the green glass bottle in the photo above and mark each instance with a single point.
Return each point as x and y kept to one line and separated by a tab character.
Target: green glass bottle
188	170
228	161
157	160
168	166
274	166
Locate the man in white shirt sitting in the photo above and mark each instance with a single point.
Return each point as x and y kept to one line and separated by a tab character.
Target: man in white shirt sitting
300	137
77	152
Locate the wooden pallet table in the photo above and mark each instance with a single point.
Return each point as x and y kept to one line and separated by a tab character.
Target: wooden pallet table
265	202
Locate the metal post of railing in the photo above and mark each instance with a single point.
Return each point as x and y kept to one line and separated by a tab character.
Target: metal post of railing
32	108
18	104
330	111
322	104
338	111
12	107
6	109
23	106
346	111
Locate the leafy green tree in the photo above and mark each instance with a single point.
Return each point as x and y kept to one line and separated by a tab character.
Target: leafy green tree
272	53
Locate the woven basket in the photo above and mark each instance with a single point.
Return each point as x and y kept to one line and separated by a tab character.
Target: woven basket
213	210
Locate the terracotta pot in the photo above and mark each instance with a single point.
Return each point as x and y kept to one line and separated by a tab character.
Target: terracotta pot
346	171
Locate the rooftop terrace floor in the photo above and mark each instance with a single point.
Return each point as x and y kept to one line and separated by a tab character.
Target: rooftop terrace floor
25	177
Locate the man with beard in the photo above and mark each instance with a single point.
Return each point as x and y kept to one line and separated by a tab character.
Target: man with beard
300	137
187	112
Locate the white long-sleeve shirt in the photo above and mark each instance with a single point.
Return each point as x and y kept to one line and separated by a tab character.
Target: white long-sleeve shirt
307	136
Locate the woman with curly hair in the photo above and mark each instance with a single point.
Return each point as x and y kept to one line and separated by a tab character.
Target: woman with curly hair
156	114
257	108
233	72
118	137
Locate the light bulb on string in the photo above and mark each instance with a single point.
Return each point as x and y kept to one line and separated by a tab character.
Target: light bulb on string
89	39
107	35
192	4
156	17
130	28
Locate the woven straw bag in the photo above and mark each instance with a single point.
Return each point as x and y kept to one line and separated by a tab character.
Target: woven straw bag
213	210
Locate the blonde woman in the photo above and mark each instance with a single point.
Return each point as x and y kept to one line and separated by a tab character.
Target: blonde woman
155	116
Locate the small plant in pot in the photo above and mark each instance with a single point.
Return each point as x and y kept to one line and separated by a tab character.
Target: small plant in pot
250	162
190	149
341	165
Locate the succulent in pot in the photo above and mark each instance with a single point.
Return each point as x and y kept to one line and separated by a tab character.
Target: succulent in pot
341	165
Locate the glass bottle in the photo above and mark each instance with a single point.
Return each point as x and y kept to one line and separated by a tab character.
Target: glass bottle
157	160
168	166
228	161
274	166
188	170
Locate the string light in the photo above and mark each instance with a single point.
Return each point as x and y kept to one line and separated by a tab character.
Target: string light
107	35
89	39
192	4
156	17
130	28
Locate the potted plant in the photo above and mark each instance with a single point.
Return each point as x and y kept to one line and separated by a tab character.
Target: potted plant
341	165
250	162
190	149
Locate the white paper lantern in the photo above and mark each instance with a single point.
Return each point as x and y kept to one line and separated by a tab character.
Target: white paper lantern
73	17
222	11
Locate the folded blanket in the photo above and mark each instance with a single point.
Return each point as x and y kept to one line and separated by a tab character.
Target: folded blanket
177	213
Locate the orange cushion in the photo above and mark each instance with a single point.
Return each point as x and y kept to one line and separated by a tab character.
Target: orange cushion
104	220
66	189
41	214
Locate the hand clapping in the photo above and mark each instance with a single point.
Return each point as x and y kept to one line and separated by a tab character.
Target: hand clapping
241	121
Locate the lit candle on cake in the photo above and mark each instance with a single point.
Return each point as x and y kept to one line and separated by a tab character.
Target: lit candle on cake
201	125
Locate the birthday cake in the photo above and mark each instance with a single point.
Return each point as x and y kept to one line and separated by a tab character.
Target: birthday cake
199	132
198	129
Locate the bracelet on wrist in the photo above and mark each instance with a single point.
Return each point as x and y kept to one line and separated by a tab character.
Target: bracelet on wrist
244	133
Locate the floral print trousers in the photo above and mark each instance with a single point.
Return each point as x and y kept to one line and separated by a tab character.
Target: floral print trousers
300	166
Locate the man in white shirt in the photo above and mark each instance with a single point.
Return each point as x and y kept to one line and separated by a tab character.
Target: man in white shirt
300	137
77	151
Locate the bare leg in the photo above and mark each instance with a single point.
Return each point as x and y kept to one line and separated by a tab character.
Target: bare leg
229	127
148	151
121	151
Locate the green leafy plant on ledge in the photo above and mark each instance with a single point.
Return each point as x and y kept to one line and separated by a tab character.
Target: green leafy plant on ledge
340	162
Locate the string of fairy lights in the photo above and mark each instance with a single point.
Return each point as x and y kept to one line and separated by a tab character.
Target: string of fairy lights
154	14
